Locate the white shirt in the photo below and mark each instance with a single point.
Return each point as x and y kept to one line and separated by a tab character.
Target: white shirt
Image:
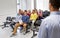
50	27
19	18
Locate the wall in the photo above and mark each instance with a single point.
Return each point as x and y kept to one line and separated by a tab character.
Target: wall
23	4
46	5
42	4
7	8
26	4
39	4
30	4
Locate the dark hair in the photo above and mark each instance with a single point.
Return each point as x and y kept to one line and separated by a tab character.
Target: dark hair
25	10
33	10
19	9
55	3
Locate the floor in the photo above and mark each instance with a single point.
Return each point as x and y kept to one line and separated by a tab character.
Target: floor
6	32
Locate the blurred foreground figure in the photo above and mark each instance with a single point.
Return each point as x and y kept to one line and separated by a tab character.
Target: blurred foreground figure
50	27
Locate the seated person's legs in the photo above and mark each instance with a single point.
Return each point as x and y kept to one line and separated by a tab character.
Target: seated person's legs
24	26
19	20
15	28
12	24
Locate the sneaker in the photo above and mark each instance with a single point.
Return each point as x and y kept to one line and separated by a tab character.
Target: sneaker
3	27
27	31
24	33
12	30
13	35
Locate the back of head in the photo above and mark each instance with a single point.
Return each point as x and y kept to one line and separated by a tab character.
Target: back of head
55	3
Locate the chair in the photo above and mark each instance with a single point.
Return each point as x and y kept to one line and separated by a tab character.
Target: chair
13	18
36	24
8	21
27	28
46	13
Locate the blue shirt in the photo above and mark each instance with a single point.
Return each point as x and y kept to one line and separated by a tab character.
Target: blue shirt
25	19
50	26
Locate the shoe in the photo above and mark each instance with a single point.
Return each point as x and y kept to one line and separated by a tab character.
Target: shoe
21	31
24	33
12	31
3	27
13	35
27	31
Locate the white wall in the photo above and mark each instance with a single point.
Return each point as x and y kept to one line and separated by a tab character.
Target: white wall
26	4
43	4
18	5
23	4
7	8
30	4
39	4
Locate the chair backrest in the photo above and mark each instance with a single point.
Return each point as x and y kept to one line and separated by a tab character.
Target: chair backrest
13	18
9	18
46	13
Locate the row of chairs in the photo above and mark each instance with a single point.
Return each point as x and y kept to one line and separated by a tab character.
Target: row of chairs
9	19
36	24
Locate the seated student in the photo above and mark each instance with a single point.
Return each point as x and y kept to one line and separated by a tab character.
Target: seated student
24	22
33	16
40	15
29	13
25	19
38	20
18	18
